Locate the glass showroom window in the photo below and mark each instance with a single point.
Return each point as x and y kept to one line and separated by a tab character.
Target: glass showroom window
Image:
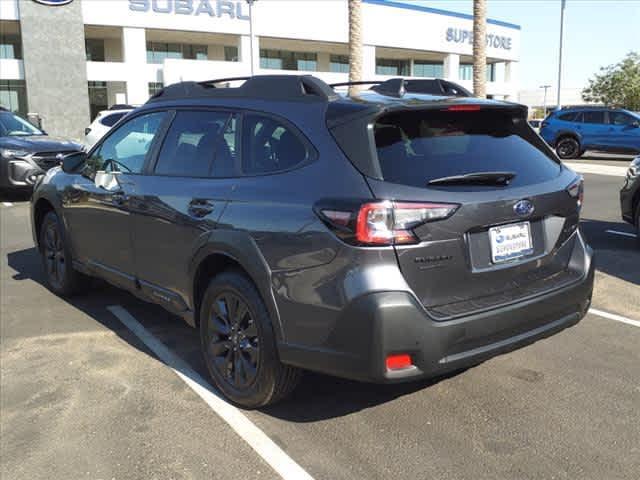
389	66
94	48
10	41
98	98
158	51
427	69
230	54
13	96
285	60
339	63
10	47
466	72
155	87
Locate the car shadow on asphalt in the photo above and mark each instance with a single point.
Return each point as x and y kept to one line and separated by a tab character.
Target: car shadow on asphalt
19	196
318	397
616	255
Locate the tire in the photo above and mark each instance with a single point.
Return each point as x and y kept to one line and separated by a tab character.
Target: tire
238	344
60	276
638	223
568	148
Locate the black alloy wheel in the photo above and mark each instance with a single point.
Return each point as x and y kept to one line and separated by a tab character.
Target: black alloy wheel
239	344
568	148
233	340
54	255
60	276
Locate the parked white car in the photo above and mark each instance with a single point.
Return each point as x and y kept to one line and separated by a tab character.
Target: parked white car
102	124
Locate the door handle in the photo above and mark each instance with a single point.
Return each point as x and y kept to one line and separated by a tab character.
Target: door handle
199	207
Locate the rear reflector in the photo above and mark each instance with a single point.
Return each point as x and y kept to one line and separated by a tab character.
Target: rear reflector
463	108
398	362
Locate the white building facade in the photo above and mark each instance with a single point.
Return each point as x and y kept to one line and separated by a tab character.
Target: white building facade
134	47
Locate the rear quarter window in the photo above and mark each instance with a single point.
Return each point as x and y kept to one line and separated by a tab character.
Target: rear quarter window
568	117
414	148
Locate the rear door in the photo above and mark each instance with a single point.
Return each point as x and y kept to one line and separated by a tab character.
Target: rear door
595	131
179	203
504	241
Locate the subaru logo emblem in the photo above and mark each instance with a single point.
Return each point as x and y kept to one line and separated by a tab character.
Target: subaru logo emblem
523	208
53	2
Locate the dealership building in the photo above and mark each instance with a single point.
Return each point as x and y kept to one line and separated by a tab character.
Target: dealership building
66	60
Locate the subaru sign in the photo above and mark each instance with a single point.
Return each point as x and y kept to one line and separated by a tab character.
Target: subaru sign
53	3
213	8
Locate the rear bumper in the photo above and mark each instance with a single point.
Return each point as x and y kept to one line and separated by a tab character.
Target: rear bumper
380	324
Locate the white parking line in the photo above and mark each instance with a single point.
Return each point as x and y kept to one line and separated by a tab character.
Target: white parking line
7	204
284	465
613	316
625	234
598	169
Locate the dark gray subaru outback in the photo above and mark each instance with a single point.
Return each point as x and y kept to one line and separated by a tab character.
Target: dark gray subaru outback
383	237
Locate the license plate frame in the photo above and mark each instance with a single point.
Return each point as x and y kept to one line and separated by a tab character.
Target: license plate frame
510	242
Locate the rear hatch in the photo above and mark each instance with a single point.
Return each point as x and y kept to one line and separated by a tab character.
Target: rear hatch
510	236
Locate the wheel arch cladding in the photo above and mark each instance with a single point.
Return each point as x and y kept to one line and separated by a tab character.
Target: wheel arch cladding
40	209
232	250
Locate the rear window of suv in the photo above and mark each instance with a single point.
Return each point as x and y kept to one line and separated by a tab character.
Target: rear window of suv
417	147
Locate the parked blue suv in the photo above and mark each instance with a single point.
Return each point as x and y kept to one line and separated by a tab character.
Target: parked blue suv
572	131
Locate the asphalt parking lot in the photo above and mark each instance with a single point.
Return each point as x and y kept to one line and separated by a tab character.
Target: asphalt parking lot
83	396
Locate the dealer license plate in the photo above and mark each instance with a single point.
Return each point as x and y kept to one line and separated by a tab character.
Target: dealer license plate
510	241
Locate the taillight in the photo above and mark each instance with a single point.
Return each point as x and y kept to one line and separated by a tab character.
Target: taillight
385	222
576	190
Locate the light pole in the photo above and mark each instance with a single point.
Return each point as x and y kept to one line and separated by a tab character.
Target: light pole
544	101
562	5
251	35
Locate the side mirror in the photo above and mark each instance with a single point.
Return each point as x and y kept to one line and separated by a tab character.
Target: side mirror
72	162
635	124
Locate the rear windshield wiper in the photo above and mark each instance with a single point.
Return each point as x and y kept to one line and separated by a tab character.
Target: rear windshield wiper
476	178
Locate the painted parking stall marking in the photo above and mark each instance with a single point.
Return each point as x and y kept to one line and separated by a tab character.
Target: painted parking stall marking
615	317
624	234
597	169
271	453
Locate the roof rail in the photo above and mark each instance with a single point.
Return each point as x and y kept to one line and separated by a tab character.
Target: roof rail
274	87
397	87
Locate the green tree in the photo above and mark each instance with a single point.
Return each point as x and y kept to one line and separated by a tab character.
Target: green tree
617	85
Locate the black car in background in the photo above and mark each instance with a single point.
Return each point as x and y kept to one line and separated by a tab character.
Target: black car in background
630	196
383	236
27	152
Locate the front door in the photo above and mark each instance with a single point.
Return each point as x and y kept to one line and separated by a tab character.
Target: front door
624	132
97	201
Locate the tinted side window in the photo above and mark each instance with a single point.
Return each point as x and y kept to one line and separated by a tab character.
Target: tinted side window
593	116
125	150
111	120
191	144
568	117
622	119
269	146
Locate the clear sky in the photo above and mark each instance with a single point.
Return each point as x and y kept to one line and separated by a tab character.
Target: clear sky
597	33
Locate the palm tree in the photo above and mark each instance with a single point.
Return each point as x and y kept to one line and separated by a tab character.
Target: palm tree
355	44
480	48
